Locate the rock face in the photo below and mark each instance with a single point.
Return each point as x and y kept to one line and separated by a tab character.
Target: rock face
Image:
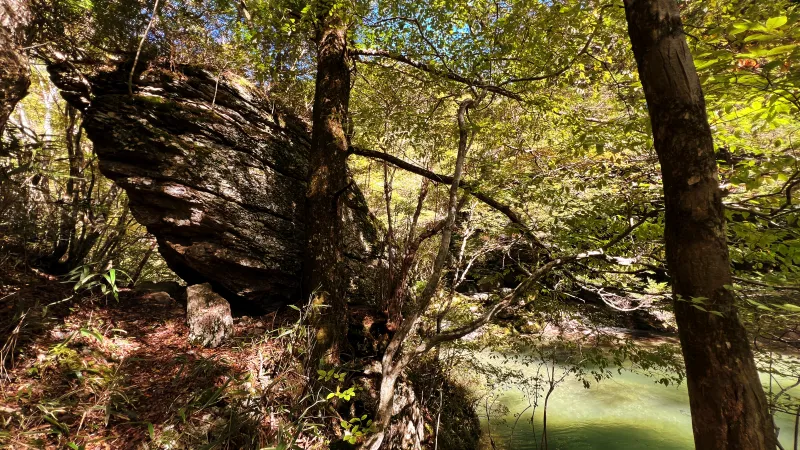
217	172
208	316
14	70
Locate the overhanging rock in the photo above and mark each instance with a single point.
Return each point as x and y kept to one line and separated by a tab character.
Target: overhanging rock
218	174
14	70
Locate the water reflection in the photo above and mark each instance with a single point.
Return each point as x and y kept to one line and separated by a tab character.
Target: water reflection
628	412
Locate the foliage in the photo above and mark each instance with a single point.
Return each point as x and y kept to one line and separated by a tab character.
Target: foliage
560	136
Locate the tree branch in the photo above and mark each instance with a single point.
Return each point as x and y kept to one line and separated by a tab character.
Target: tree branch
430	68
139	50
563	69
487	316
446	179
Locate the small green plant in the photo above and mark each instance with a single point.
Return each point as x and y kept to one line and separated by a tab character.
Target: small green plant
331	374
85	280
334	374
345	395
356	428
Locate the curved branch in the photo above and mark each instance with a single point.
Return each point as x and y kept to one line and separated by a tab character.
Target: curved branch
457	333
430	68
446	179
566	67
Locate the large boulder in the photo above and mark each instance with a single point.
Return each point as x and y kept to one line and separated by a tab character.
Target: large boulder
14	70
217	172
208	316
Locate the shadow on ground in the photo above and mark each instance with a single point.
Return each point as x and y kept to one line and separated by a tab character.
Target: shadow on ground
98	373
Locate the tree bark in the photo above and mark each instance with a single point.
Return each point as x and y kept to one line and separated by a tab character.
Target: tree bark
14	72
328	182
729	408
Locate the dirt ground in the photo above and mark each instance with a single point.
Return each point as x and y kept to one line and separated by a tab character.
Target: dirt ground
91	372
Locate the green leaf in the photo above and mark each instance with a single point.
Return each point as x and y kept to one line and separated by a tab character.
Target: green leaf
759	305
760	37
776	22
58	426
93	333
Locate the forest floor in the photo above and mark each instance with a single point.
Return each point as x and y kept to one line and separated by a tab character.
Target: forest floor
95	373
85	371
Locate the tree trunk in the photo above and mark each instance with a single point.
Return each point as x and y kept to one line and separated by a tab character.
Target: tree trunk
70	205
14	72
142	263
729	408
394	361
327	183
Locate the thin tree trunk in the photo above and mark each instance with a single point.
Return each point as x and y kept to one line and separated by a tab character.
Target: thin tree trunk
140	267
797	428
729	408
71	197
394	361
328	182
113	238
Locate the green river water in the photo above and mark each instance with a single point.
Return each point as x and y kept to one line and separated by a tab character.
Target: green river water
627	412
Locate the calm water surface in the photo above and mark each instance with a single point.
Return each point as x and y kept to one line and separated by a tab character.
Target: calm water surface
627	412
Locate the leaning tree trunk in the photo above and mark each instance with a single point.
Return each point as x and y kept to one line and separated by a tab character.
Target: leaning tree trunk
729	409
328	181
14	72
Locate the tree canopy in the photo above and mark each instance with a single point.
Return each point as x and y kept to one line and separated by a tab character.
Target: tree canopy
504	166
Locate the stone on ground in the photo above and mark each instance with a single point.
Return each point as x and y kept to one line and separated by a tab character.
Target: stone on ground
208	316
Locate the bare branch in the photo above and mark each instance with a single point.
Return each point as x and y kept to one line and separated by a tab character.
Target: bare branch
630	229
487	316
446	179
430	68
139	50
771	286
562	69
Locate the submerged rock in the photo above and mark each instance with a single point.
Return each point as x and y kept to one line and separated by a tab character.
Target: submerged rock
208	316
